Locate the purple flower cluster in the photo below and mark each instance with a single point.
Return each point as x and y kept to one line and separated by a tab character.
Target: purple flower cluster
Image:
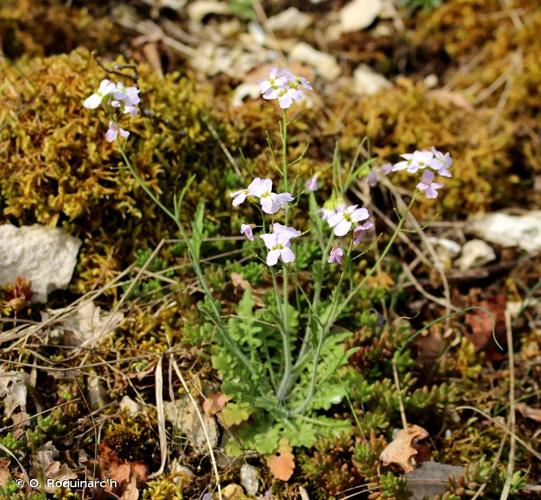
262	190
342	219
429	162
278	242
116	100
283	85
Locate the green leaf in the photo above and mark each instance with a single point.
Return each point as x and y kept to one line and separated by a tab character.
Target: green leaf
235	413
197	231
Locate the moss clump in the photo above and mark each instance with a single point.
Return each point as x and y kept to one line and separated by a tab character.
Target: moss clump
409	117
34	27
58	169
132	439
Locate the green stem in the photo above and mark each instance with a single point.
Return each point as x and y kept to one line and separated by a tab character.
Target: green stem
333	315
315	305
215	313
285	383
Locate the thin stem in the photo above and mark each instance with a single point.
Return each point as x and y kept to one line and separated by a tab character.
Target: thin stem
315	304
215	313
333	315
285	383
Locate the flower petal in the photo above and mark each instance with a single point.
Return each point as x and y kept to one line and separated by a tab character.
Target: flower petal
342	228
272	257
287	255
93	101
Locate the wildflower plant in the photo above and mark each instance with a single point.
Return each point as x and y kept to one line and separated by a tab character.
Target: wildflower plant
280	361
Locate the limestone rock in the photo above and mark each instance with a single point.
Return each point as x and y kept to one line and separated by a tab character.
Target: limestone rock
475	253
45	256
507	230
291	20
325	64
368	82
359	14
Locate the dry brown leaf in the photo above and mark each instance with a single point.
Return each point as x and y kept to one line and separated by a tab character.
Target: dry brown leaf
401	451
529	412
282	463
487	322
239	282
123	472
215	403
131	492
5	476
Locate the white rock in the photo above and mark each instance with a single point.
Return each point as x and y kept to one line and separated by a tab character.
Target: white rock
291	20
249	478
325	64
130	406
45	256
446	250
475	253
506	230
368	82
244	90
199	9
430	478
359	14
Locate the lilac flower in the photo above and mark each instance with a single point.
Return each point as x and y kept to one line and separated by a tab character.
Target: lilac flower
416	161
126	98
246	230
427	185
278	201
342	221
375	175
106	87
270	202
113	131
239	197
372	178
279	247
360	231
445	162
336	255
289	232
284	86
286	96
311	185
262	189
386	168
325	213
276	80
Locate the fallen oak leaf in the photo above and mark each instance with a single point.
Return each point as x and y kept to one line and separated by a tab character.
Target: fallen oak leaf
215	403
282	463
529	412
124	473
400	450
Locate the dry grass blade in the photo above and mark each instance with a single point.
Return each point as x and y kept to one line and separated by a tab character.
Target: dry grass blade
161	418
521	441
202	422
511	462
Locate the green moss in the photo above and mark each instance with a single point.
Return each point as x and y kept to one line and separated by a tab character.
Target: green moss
32	27
58	169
